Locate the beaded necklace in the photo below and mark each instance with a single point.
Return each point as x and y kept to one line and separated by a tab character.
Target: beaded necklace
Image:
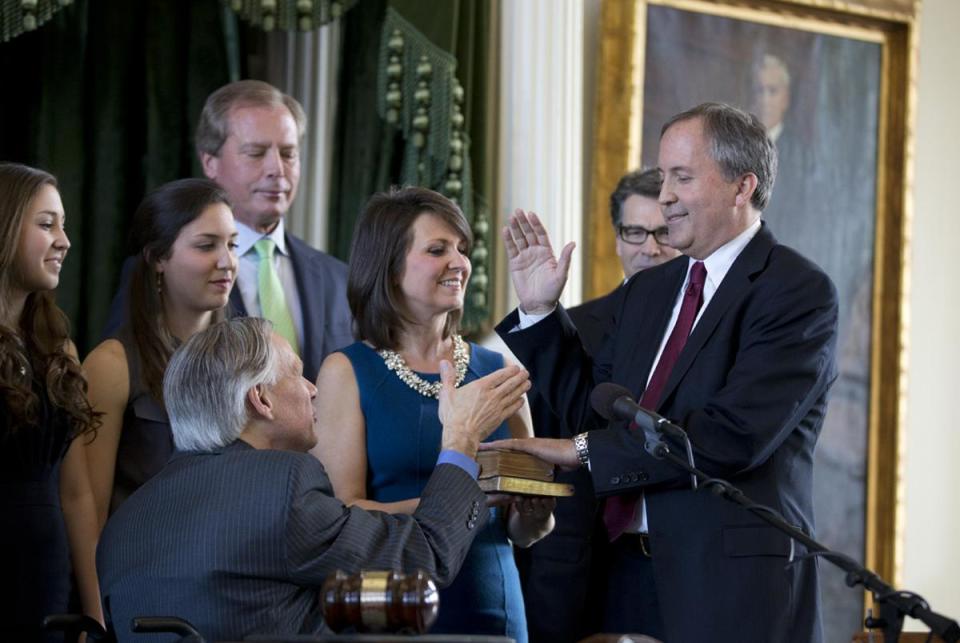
395	363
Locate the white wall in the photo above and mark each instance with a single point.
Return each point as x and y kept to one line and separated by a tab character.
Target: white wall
541	117
931	555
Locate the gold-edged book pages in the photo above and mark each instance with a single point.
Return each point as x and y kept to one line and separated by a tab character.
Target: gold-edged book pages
504	471
514	464
525	486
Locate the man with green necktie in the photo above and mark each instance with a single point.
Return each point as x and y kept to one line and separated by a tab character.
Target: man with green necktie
248	141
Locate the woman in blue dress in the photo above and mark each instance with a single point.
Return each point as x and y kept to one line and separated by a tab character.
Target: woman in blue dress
379	433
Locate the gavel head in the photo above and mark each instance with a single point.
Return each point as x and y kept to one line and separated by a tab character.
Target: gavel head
380	601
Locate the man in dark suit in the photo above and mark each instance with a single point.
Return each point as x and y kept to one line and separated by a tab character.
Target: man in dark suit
238	532
564	575
248	141
749	383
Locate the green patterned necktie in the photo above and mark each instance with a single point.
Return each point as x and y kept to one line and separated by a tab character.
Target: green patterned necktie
273	304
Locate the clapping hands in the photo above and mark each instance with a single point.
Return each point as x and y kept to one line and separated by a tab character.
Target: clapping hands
472	412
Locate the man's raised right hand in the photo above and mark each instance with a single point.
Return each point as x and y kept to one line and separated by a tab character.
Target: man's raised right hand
538	275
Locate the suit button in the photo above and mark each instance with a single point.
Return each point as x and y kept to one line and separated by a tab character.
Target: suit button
615	480
471	524
632	477
644	476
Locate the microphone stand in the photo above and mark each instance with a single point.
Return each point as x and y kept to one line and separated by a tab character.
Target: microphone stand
894	605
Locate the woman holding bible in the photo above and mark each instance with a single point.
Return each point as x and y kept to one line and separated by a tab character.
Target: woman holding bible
377	401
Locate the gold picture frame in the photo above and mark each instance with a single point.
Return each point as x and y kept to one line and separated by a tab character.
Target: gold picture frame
619	145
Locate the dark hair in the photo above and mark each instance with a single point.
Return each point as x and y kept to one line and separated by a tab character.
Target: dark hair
644	183
39	343
156	225
381	241
739	145
213	126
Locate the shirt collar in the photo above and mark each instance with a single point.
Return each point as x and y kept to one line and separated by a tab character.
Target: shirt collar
247	236
720	260
775	131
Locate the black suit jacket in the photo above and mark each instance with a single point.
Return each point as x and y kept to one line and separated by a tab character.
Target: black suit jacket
555	572
750	387
239	542
321	285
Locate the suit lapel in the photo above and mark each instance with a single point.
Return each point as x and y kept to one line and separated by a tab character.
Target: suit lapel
733	288
650	314
237	309
308	301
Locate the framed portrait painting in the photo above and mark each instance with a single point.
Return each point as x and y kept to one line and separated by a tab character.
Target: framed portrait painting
832	86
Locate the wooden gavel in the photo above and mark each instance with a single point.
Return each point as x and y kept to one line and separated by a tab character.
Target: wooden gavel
380	601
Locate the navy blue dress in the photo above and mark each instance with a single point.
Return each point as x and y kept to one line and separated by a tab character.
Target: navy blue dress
146	441
403	442
34	552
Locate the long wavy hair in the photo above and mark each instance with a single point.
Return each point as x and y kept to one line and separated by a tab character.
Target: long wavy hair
35	345
156	225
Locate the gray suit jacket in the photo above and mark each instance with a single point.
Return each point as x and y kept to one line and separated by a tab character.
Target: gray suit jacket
239	542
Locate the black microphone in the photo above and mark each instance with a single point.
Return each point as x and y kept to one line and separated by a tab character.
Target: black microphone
614	402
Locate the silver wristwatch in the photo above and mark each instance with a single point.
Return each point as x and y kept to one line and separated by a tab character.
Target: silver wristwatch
583	452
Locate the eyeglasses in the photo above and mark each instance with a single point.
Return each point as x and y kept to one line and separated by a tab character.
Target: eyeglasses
636	235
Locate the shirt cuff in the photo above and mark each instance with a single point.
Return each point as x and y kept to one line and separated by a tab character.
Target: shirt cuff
527	320
457	459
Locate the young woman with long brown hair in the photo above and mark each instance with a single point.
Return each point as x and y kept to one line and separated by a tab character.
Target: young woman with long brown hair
47	513
184	236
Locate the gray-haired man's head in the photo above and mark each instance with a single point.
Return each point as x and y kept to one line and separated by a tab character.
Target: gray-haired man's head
234	378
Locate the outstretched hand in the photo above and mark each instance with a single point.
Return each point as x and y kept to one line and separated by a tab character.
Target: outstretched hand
538	275
472	412
559	452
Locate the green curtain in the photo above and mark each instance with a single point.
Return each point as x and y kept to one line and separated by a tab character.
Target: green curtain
365	148
106	96
370	153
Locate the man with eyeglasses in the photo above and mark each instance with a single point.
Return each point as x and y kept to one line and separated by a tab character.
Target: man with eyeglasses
642	233
561	574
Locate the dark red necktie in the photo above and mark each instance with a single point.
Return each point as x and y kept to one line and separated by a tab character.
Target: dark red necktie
618	511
